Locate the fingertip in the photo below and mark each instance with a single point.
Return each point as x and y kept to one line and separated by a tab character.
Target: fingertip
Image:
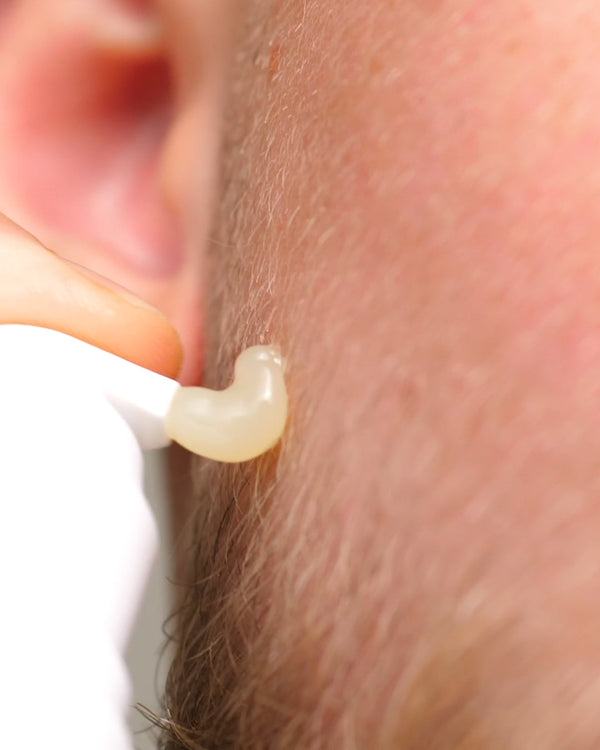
39	288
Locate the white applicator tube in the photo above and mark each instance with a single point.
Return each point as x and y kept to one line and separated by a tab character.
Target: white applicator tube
77	538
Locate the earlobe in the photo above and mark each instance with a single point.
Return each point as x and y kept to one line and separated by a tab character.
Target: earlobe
87	110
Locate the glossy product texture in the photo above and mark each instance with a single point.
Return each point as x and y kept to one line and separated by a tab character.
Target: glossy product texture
240	422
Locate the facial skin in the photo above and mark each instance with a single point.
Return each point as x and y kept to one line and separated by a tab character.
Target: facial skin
408	207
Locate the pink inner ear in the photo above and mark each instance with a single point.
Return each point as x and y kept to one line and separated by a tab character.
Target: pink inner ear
142	6
80	147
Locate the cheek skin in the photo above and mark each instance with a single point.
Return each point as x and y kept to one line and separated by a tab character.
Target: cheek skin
447	169
425	187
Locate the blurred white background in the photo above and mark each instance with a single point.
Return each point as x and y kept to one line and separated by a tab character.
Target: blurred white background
147	659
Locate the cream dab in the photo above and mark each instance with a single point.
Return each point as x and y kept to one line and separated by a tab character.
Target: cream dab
240	422
236	424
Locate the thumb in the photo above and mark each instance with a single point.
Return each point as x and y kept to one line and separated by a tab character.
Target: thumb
39	288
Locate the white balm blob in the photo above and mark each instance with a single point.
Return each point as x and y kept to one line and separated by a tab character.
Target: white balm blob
242	421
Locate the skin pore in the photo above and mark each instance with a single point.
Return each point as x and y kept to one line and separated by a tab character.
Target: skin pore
409	209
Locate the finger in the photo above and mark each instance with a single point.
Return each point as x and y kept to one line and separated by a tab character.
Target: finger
38	288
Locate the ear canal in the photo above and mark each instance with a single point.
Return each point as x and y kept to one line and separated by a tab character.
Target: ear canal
86	107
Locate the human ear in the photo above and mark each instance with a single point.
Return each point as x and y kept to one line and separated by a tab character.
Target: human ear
93	129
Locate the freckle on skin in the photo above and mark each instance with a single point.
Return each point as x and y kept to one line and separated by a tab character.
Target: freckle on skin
513	45
376	66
